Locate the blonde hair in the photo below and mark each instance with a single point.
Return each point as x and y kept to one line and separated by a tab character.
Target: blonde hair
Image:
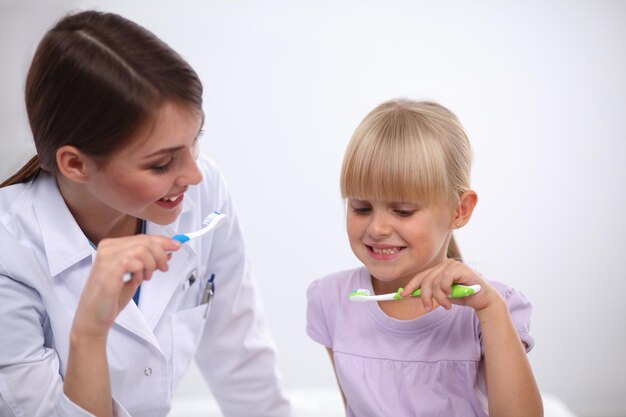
408	151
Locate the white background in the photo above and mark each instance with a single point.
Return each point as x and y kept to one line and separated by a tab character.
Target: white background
539	85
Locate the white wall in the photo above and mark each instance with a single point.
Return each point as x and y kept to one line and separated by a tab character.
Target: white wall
539	85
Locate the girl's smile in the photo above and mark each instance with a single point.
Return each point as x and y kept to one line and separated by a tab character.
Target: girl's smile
384	252
397	240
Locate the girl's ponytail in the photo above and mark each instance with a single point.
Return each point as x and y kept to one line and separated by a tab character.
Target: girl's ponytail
453	250
29	171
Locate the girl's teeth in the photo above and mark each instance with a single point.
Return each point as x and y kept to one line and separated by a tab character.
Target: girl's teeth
386	251
169	198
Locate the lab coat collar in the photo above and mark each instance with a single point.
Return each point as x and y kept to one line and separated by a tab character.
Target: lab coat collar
64	241
66	245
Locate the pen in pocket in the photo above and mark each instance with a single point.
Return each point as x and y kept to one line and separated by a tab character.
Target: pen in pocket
208	294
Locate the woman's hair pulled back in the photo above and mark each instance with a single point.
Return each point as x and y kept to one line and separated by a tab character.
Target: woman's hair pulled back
95	79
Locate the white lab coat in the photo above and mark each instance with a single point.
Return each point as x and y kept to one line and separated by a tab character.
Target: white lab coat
45	260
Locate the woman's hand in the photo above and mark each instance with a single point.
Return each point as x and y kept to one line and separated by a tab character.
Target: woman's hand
87	381
436	283
105	294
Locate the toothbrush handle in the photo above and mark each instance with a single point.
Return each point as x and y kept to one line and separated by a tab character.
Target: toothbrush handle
457	291
181	238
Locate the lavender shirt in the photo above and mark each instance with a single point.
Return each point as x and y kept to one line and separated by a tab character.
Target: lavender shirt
430	366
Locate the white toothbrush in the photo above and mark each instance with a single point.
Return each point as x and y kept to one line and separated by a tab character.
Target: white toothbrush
457	291
211	222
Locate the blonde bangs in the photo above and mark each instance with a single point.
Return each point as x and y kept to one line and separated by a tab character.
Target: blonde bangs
393	156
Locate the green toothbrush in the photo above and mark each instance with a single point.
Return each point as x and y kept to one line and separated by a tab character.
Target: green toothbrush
458	291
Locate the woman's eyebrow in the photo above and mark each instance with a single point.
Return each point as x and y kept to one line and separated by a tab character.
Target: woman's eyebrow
164	151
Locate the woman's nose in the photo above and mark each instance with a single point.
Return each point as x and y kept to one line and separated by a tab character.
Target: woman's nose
190	173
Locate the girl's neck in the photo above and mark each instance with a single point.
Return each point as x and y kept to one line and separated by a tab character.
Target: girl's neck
407	309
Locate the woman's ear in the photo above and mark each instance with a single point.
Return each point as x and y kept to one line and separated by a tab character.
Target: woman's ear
73	164
464	210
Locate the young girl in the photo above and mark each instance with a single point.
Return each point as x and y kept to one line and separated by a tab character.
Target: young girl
116	115
405	177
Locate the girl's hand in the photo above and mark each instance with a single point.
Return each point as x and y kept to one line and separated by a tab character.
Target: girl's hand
436	283
105	294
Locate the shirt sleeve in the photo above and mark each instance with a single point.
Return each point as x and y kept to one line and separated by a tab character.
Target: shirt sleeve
30	379
236	353
316	324
520	309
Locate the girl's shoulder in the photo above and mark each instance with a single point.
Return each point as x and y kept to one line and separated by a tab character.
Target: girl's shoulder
520	310
510	294
338	284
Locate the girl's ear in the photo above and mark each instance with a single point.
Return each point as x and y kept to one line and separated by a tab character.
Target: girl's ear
464	210
73	164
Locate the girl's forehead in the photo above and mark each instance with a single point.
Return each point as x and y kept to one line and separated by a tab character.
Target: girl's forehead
373	200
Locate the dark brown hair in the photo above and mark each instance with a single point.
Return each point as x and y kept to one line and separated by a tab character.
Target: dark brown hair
94	80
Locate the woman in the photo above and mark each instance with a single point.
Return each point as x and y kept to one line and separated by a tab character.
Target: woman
116	116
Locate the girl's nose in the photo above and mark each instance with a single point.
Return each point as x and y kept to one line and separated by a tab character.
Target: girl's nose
379	225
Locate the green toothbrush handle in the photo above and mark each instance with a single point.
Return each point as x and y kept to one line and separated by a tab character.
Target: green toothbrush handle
458	291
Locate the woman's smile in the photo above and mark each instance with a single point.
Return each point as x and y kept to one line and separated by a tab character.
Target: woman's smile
170	203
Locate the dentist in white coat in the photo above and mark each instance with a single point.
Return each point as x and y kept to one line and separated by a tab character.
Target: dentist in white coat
116	116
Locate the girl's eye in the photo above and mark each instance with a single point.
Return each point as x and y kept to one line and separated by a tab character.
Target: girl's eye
361	210
405	213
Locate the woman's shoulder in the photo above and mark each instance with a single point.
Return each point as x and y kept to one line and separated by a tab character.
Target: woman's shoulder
17	201
13	196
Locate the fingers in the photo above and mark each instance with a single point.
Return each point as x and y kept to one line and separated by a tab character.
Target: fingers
435	286
139	255
105	294
436	283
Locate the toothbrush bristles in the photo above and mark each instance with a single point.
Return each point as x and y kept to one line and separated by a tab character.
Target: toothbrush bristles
208	219
361	292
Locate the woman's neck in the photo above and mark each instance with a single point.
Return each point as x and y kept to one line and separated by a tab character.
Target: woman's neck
96	220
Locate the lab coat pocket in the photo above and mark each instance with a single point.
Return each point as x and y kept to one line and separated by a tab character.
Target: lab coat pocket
187	328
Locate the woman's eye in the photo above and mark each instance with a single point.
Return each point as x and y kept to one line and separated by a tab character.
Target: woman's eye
163	168
195	146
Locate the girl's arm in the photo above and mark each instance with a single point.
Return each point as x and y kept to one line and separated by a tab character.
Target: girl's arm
332	360
511	386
